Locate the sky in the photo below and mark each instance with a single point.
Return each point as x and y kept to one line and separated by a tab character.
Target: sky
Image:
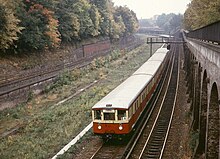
149	8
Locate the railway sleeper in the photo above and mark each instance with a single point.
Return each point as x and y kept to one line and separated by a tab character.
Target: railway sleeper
162	124
150	156
158	141
161	130
153	153
153	150
155	144
156	137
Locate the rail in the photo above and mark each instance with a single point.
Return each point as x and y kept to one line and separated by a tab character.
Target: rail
19	82
150	143
156	141
140	134
110	149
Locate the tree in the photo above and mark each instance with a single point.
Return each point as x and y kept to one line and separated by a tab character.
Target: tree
176	23
41	28
163	19
69	24
96	19
129	18
82	9
104	10
146	23
42	24
170	23
119	28
115	28
9	25
200	13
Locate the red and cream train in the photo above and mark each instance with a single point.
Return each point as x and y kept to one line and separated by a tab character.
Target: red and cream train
118	112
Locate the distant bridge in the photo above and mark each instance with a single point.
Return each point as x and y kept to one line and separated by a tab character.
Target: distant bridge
151	30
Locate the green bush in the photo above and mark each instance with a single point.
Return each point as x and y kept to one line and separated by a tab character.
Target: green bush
194	137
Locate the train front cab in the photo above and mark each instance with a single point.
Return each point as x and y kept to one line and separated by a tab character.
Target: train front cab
110	122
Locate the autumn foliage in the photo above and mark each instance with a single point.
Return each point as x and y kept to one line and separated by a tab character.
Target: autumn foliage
201	13
9	26
43	24
51	24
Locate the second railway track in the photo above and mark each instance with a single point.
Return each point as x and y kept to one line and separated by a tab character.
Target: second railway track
154	144
21	83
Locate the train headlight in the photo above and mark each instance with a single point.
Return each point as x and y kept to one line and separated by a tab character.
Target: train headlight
120	127
99	127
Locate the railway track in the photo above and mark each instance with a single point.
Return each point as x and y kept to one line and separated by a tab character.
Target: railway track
110	150
155	144
118	151
21	83
151	144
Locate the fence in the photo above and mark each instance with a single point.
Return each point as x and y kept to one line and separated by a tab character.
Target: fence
210	33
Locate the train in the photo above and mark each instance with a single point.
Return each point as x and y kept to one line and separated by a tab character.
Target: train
117	113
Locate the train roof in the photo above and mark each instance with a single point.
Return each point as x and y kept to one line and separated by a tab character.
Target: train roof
148	68
158	57
125	94
161	50
153	63
166	36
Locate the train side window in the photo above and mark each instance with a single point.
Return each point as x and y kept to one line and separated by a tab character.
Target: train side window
97	114
136	105
109	116
130	112
134	109
122	115
149	88
143	96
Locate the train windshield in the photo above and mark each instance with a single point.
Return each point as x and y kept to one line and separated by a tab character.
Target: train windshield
109	116
121	114
97	114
